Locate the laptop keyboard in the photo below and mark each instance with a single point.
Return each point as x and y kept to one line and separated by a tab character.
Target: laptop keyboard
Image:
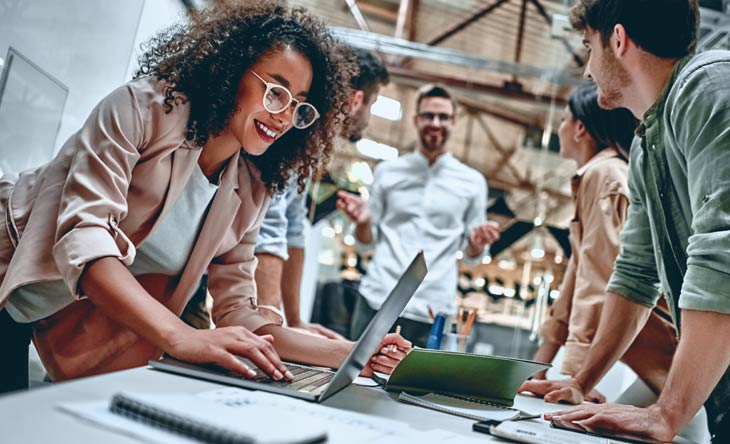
306	379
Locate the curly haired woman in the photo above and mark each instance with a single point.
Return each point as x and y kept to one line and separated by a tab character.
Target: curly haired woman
170	177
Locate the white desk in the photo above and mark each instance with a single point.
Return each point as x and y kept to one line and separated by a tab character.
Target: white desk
31	417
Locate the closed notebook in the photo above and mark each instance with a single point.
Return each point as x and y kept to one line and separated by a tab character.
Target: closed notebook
478	411
491	379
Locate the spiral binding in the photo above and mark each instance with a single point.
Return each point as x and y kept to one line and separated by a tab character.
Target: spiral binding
182	425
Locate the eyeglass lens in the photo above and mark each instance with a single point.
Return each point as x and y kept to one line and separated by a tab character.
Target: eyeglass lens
443	117
278	98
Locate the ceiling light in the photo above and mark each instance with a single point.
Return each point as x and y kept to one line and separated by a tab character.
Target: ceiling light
387	108
376	150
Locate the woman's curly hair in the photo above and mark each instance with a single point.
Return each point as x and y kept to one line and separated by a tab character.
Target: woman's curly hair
205	59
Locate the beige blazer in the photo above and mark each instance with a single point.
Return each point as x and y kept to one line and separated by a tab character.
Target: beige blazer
101	196
600	190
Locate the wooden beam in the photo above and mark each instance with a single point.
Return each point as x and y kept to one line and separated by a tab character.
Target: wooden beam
357	14
379	12
409	73
467	22
541	10
520	32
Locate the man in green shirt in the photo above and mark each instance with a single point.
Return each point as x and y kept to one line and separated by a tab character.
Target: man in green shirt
677	236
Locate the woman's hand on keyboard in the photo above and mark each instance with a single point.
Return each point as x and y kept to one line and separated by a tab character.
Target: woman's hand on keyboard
222	346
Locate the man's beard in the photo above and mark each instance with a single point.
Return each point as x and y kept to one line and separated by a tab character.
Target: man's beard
610	95
429	144
356	126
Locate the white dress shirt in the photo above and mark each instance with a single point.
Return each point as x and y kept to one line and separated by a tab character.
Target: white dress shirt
416	207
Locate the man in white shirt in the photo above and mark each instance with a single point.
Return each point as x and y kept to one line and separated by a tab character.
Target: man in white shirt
423	200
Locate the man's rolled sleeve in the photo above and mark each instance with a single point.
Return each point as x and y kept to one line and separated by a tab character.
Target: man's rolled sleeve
635	274
296	213
272	238
701	118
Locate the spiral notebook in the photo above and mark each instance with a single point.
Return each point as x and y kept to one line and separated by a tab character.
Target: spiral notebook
468	408
184	419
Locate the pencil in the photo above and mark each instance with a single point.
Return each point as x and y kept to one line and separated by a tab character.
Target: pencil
393	347
430	313
470	320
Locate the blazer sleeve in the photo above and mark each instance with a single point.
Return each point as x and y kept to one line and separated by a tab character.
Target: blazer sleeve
104	152
232	286
603	211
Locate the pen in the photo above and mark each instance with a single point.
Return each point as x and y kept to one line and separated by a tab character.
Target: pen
430	313
526	417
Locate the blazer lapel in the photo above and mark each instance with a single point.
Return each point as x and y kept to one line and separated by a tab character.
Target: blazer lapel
219	218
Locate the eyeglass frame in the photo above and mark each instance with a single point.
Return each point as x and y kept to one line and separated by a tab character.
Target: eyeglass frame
270	86
449	119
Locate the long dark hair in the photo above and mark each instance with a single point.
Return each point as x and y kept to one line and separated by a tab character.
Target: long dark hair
609	128
203	61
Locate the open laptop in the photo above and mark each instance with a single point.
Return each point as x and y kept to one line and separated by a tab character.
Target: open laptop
315	383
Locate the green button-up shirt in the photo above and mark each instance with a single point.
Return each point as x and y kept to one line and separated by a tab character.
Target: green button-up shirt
677	235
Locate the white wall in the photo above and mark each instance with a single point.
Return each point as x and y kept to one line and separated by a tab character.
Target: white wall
86	44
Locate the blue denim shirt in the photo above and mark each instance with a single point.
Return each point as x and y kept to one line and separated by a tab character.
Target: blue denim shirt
283	225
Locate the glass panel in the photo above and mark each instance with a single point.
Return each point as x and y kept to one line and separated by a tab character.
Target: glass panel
31	107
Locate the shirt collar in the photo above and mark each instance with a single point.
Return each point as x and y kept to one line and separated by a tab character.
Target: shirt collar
606	153
656	110
440	160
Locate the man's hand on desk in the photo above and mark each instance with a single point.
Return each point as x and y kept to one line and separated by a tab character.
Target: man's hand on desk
391	351
567	390
621	421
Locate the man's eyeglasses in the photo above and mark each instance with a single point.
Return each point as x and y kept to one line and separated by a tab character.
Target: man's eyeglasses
277	99
430	117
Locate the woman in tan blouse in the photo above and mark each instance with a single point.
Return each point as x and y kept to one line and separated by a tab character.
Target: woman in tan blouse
598	140
221	110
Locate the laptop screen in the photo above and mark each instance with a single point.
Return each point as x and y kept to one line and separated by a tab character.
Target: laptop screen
383	320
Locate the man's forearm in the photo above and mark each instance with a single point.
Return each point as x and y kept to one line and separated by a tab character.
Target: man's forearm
702	357
294	346
364	233
621	321
268	279
291	280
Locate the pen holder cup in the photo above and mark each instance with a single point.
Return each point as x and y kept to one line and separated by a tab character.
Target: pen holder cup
455	342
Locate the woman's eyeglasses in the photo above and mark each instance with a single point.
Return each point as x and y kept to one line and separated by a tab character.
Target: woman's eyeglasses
277	99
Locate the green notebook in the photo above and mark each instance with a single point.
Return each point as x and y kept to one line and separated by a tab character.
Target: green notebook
490	379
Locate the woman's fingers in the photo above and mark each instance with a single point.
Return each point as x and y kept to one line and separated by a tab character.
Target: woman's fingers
234	364
260	351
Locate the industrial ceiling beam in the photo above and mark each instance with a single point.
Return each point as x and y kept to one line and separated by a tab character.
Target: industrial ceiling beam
520	32
568	47
398	71
403	48
465	23
357	15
